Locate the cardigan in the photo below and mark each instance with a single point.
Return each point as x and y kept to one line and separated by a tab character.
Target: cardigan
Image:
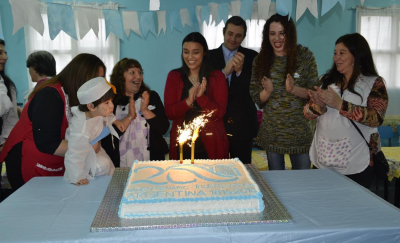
213	134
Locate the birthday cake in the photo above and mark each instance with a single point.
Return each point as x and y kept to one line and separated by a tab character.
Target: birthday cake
157	189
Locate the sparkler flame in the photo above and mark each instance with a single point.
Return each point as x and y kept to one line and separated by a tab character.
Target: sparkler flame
184	133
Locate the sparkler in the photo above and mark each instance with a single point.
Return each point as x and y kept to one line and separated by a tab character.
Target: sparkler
191	130
196	124
183	136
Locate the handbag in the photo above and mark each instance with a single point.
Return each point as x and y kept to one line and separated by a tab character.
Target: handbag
381	165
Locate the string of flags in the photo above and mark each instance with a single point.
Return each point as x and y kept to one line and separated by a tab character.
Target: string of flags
118	21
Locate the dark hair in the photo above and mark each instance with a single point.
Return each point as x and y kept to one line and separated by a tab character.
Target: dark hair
265	59
118	80
82	68
108	95
42	62
9	85
238	21
204	68
363	62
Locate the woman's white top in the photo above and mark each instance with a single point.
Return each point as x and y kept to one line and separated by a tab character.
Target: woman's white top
8	110
337	144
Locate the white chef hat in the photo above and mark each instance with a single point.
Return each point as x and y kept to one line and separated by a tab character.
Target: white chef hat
93	90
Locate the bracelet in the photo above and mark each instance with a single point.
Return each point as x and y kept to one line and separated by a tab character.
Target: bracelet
144	113
129	117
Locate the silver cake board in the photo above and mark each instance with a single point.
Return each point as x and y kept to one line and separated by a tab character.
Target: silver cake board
107	218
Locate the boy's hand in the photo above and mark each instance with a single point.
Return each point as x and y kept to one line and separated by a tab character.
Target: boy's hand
82	182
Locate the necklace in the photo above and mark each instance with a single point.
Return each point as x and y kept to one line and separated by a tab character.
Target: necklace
193	80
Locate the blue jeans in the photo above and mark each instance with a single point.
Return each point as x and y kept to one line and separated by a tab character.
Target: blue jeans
299	161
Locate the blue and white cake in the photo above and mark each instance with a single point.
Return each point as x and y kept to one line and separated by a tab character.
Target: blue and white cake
157	189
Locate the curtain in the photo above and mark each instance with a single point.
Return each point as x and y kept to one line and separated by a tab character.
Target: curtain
215	38
381	29
64	48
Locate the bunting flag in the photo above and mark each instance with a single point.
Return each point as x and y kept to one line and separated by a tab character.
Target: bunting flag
205	14
223	13
162	24
213	12
175	20
192	13
131	22
198	14
27	12
303	5
185	17
246	9
113	23
88	18
284	7
329	4
146	22
60	18
235	8
263	9
60	15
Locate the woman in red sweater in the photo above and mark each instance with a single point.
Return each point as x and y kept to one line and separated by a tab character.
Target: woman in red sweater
193	90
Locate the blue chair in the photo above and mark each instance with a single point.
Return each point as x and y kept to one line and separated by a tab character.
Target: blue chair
386	132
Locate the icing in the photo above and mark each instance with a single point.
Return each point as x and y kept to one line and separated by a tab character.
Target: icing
171	189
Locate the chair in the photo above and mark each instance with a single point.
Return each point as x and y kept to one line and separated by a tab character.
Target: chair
386	132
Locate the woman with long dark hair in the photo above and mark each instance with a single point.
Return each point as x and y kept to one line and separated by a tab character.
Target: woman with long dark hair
193	90
36	146
282	73
351	94
8	99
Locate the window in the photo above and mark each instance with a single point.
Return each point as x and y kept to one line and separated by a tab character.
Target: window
381	29
214	37
64	48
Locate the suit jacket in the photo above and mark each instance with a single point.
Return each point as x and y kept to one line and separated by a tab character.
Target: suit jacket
241	109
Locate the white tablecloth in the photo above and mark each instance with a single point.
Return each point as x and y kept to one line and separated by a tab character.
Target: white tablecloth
325	206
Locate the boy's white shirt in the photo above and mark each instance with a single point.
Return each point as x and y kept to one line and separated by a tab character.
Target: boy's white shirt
80	159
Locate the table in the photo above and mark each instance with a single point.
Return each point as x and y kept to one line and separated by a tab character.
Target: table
325	206
392	155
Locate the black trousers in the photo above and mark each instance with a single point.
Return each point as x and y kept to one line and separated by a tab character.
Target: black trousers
13	167
241	149
364	178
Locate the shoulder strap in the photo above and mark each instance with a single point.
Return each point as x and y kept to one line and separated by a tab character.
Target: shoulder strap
358	129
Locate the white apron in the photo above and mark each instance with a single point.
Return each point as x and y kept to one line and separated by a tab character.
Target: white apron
337	144
134	143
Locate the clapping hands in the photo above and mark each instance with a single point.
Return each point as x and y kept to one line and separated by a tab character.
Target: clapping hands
196	91
235	64
145	101
267	85
325	97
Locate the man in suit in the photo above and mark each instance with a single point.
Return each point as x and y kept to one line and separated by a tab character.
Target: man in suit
235	62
